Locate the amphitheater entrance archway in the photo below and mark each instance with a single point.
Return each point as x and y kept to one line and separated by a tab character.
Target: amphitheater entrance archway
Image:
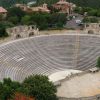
31	34
18	36
90	32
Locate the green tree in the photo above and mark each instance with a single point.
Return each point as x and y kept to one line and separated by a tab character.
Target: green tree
92	12
98	62
37	86
98	13
16	13
26	20
14	20
58	19
40	87
3	32
8	88
0	17
41	20
78	10
90	20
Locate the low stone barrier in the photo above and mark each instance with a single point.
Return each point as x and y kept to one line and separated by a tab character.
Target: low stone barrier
74	75
97	97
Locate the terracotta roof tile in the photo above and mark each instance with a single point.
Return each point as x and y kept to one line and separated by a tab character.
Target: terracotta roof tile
2	10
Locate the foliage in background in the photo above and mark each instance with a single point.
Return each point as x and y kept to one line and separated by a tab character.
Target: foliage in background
3	32
90	11
43	20
82	3
90	20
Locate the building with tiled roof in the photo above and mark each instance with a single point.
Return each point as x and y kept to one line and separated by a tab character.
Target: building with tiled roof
42	8
64	6
3	12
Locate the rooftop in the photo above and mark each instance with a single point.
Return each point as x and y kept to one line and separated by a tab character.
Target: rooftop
2	10
62	2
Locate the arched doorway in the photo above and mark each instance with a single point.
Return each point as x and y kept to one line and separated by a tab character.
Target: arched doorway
90	32
31	34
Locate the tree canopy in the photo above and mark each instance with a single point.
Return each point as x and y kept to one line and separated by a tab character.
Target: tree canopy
8	89
98	62
3	32
90	20
40	87
43	20
37	86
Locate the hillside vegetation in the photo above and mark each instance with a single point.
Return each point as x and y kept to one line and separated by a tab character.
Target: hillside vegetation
35	86
87	3
9	3
83	3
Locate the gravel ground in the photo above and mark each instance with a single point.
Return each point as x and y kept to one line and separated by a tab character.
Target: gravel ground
80	86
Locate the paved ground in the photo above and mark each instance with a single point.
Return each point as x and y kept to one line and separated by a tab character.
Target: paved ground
80	86
72	23
64	31
62	74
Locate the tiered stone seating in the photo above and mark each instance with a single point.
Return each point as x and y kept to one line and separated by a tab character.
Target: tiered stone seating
89	51
48	54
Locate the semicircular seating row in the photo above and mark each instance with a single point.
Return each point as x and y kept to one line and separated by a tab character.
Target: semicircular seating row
48	54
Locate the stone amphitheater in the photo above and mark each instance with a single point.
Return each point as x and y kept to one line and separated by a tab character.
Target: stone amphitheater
48	54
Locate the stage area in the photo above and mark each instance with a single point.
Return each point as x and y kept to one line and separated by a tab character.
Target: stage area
80	86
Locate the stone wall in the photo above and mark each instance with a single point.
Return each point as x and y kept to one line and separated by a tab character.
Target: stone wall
92	28
23	31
